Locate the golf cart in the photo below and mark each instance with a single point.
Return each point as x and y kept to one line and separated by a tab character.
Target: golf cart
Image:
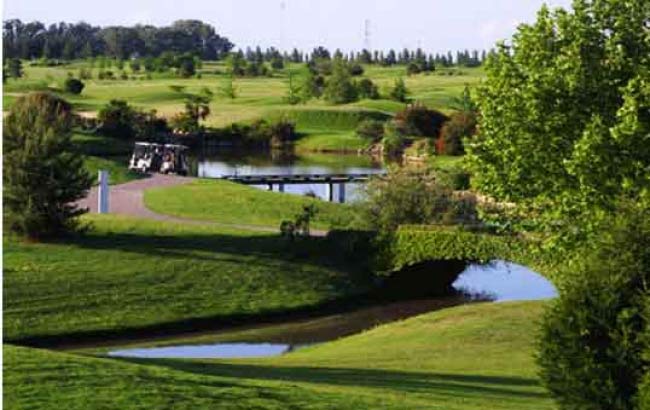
164	158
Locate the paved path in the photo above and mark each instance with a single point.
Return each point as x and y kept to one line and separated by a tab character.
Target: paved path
128	199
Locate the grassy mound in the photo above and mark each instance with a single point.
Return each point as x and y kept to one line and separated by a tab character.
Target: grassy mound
467	358
131	275
227	202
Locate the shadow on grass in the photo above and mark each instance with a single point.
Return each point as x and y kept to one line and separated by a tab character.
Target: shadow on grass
460	385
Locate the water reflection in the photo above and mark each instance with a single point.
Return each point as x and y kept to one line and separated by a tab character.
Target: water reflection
498	281
214	351
505	281
230	162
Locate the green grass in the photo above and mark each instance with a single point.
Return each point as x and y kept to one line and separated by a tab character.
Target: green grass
467	358
262	97
445	161
118	173
227	202
131	274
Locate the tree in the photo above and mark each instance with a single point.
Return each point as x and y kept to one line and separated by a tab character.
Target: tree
418	120
461	125
562	106
73	86
43	176
293	91
14	68
227	88
339	88
399	92
592	346
116	119
367	89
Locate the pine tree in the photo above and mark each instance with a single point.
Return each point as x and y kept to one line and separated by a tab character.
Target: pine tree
43	175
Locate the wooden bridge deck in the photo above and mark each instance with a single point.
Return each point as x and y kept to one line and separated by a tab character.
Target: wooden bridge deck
299	179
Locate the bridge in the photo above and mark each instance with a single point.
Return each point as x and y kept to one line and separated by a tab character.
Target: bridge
297	179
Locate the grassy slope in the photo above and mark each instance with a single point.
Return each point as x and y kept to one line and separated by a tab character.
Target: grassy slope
471	357
133	273
118	173
227	202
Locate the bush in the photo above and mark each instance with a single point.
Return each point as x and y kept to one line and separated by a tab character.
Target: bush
461	125
356	70
43	176
418	120
412	69
367	89
73	86
371	130
399	92
116	119
413	197
339	88
592	344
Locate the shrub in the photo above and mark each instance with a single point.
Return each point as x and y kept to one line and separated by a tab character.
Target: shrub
412	69
43	176
592	343
461	125
339	88
116	119
356	70
73	86
367	89
371	130
399	92
408	196
418	120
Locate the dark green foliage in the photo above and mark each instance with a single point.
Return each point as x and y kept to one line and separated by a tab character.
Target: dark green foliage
299	228
339	88
14	68
116	119
592	347
356	70
461	125
371	130
411	196
367	89
412	69
43	176
399	92
73	86
418	120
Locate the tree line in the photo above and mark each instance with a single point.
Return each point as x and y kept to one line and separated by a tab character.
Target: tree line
69	41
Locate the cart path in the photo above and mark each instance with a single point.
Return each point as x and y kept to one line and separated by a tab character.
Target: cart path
128	199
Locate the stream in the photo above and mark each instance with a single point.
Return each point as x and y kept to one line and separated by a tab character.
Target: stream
497	282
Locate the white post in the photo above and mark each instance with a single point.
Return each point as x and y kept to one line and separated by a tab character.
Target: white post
102	195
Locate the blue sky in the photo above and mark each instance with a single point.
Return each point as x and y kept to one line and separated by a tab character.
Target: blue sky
435	25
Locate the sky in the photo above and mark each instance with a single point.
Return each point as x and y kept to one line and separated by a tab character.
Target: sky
434	25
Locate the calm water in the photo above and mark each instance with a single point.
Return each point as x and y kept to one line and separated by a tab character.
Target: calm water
273	163
498	281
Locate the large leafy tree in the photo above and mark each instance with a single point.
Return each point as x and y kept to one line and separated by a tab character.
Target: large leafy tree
42	174
563	130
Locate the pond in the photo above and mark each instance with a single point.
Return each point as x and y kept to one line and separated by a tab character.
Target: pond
498	281
233	162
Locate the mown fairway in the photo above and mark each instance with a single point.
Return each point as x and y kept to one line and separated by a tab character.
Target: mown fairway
323	127
228	202
132	274
471	357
